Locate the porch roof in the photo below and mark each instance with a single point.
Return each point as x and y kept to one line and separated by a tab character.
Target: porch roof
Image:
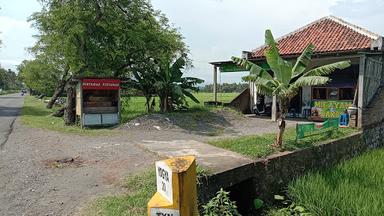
328	34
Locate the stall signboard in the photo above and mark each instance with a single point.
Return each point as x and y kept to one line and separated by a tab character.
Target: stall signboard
100	84
328	109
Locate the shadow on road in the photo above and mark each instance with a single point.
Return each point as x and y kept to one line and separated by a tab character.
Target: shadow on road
34	111
9	111
9	97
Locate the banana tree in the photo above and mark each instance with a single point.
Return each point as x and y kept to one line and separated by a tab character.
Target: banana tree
172	87
144	83
285	78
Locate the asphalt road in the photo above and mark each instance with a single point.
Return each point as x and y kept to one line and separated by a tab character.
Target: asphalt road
10	108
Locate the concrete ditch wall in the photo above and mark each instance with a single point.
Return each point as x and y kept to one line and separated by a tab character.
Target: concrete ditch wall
241	102
269	176
373	120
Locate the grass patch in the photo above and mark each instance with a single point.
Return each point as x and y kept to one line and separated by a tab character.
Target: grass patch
4	92
34	114
140	188
354	187
260	145
205	96
133	107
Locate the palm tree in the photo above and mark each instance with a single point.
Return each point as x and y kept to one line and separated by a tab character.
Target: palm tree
286	78
172	87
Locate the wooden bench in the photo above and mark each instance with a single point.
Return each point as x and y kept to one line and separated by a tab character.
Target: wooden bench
310	129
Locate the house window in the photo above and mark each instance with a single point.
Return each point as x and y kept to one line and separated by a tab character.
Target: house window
319	93
333	94
346	93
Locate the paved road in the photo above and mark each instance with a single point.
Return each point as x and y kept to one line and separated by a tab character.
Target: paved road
10	107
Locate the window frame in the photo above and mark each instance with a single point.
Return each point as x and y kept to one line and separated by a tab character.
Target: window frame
328	89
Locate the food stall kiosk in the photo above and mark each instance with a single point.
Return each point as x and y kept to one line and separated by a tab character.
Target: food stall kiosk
98	102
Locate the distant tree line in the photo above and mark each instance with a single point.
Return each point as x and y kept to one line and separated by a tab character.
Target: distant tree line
9	80
226	87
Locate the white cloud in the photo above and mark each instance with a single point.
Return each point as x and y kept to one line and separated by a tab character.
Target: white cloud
213	29
16	36
216	30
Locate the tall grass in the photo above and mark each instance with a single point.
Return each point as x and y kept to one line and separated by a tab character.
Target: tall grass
355	187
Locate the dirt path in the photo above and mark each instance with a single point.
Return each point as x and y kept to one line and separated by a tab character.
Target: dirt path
32	182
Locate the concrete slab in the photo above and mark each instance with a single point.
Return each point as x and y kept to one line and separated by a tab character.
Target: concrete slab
208	156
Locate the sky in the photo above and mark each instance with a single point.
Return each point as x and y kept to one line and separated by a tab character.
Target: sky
214	30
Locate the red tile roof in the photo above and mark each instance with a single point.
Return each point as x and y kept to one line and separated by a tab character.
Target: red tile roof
329	34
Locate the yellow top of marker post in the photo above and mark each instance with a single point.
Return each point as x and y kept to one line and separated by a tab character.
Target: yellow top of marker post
180	164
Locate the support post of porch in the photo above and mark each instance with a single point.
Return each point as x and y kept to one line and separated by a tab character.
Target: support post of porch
215	83
253	95
360	97
274	109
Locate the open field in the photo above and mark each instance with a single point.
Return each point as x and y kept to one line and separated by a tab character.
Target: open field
260	145
35	114
354	187
135	106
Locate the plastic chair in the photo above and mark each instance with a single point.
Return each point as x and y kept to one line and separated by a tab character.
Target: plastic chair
344	119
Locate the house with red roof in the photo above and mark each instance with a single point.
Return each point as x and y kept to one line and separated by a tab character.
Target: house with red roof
334	40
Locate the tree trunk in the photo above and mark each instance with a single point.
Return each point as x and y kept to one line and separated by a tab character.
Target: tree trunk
279	137
161	103
164	103
59	89
60	112
149	102
284	105
70	112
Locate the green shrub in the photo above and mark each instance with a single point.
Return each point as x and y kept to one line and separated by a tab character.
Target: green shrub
221	205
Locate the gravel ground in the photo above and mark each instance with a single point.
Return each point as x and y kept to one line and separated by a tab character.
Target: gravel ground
219	124
38	176
48	173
